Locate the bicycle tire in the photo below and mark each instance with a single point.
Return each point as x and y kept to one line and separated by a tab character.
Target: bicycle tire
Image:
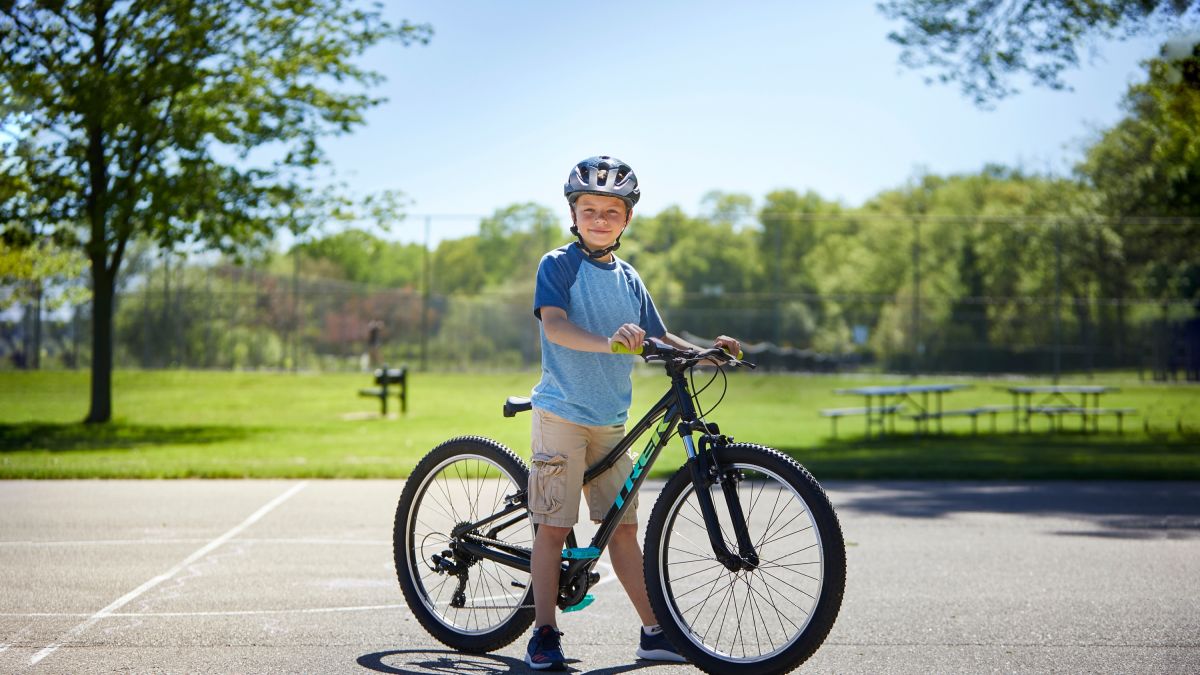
463	479
769	619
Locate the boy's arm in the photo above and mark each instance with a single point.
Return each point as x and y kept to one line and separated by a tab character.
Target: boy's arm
562	332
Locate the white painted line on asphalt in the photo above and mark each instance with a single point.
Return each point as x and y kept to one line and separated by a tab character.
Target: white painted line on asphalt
98	542
141	542
607	576
231	612
255	612
40	615
130	596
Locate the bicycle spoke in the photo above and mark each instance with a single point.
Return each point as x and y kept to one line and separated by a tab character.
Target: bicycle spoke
775	539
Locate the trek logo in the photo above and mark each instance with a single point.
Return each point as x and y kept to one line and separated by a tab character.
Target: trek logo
640	465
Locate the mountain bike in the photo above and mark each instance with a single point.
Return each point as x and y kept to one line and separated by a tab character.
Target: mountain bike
745	563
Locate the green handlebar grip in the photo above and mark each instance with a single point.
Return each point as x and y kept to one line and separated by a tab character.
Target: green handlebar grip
618	348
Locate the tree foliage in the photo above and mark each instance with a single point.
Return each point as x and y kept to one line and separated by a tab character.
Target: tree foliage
40	273
983	45
174	121
1146	171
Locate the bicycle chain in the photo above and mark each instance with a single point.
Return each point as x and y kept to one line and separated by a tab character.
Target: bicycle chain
496	542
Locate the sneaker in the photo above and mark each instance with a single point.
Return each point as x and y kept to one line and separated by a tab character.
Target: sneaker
656	647
545	650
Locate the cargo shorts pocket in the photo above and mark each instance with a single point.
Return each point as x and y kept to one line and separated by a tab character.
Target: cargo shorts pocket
547	478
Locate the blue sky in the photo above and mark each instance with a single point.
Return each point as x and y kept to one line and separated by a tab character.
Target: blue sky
695	96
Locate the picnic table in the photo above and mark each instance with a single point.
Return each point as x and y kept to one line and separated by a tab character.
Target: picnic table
883	403
1060	400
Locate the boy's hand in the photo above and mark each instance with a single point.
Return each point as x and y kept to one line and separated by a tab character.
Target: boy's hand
730	345
631	335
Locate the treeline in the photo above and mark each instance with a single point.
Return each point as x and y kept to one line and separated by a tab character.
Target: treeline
944	265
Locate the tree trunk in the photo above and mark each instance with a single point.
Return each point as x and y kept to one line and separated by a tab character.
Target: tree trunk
103	276
102	344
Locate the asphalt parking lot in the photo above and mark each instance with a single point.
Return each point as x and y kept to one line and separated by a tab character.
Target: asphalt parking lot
295	576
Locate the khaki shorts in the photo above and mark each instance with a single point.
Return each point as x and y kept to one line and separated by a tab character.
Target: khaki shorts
562	452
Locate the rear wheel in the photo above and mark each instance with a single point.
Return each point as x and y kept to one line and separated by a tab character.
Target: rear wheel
483	605
769	618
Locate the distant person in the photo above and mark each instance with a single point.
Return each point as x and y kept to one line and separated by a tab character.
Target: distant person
374	343
588	299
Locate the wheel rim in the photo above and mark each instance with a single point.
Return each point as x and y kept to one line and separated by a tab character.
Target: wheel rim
465	488
745	616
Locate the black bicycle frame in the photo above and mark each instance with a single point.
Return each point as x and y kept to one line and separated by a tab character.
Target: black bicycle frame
673	410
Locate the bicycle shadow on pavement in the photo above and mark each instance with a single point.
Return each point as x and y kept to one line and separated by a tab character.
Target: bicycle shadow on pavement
423	661
426	661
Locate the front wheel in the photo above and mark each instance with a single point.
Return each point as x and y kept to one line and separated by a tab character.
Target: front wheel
483	605
773	616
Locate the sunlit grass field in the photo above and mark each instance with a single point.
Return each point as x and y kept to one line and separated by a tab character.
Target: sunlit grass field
177	424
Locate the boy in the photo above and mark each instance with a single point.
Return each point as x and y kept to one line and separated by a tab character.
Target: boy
587	299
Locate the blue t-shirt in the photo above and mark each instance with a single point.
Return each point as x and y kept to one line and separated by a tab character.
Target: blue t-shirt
585	387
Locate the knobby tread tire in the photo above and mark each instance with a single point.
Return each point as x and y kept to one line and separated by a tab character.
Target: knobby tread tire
520	621
833	547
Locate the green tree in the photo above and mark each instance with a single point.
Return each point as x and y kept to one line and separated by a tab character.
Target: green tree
792	225
43	277
1146	170
173	121
458	267
362	257
982	44
513	239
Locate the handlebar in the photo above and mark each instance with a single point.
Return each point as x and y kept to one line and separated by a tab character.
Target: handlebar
656	350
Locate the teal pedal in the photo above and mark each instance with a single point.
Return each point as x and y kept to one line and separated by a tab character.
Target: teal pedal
581	553
582	604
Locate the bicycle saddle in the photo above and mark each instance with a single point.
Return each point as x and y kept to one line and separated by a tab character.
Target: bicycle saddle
516	404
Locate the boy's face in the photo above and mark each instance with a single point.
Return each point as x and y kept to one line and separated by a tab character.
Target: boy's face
600	219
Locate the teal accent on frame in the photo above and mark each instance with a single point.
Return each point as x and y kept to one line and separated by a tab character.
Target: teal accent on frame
643	459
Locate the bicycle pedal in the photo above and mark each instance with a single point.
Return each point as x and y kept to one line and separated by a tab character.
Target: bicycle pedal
588	553
582	604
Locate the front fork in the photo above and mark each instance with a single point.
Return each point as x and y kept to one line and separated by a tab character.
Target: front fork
705	471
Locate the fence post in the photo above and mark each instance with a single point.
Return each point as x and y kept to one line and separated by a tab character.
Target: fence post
916	295
426	274
1057	300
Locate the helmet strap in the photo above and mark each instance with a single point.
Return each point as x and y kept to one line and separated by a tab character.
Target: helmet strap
595	255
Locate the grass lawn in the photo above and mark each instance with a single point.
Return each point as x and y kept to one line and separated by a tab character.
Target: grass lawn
176	424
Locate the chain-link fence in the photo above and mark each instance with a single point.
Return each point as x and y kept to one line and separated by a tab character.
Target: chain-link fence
225	316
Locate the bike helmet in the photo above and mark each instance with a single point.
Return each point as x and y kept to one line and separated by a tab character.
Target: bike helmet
603	175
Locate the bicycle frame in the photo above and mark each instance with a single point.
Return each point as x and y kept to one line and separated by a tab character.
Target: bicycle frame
673	410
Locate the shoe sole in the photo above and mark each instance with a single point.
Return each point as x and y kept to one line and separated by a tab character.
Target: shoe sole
544	666
660	655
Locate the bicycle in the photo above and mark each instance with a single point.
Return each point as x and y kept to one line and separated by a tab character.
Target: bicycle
745	562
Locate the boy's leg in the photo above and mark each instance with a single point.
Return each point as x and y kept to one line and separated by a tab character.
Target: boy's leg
627	562
626	557
556	473
546	567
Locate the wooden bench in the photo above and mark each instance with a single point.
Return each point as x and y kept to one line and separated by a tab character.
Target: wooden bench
388	377
1055	413
883	412
973	413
